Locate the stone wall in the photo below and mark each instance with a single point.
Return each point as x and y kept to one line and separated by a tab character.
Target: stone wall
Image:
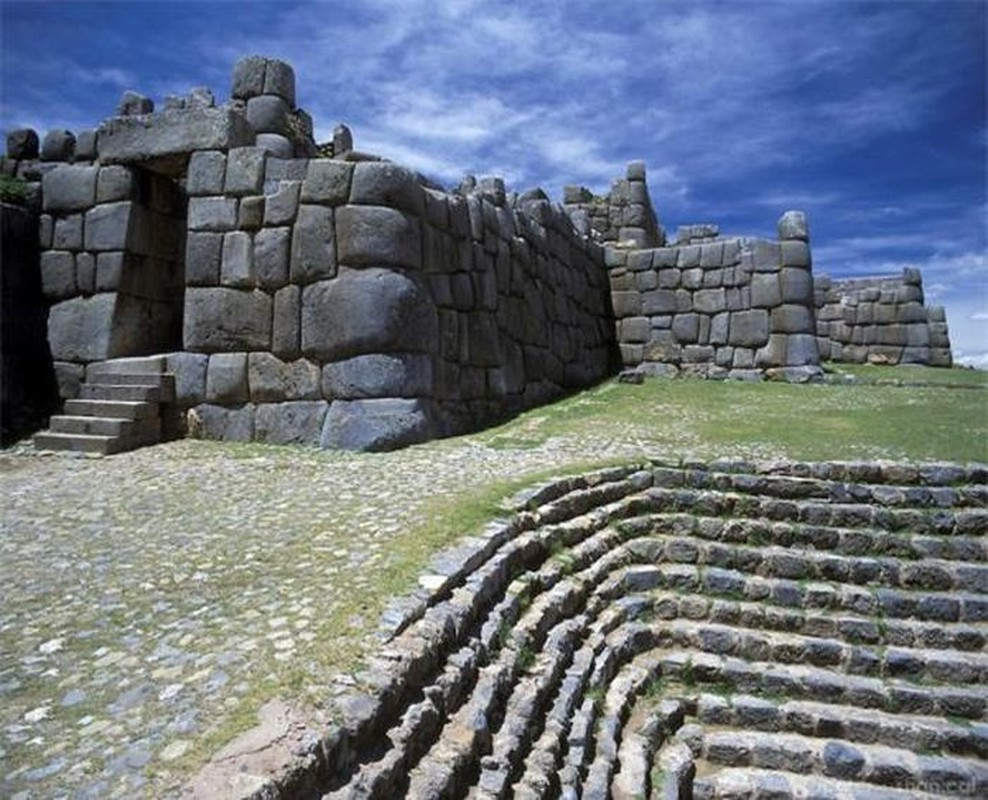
731	307
624	216
880	320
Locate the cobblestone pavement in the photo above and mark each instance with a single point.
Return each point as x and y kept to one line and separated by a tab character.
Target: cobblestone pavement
150	600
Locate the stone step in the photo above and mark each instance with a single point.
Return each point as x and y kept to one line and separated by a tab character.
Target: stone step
760	784
119	409
132	365
106	426
90	443
115	391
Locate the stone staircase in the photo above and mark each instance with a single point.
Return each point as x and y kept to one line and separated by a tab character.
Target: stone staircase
664	631
118	408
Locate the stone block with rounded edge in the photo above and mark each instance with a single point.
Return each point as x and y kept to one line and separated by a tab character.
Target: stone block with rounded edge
133	103
189	370
237	265
313	245
367	311
796	254
226	378
286	323
80	329
108	226
109	271
248	77
58	274
85	145
793	225
115	182
203	254
85	273
275	144
797	285
279	79
69	187
686	328
22	143
218	319
801	350
792	318
212	213
377	424
281	207
58	145
226	424
748	328
67	233
327	182
766	291
298	422
244	171
207	172
271	379
380	183
379	375
378	235
271	253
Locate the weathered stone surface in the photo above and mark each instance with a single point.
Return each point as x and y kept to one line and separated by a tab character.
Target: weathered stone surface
67	234
179	132
250	213
271	380
379	183
219	319
281	207
366	311
766	292
327	182
212	213
378	235
207	172
22	143
749	328
299	422
279	79
58	145
248	77
85	272
227	424
376	425
226	379
109	271
133	103
285	334
237	266
244	171
271	257
268	114
69	187
793	225
313	245
791	318
189	370
80	329
203	253
108	226
379	375
114	183
797	286
85	145
275	144
58	275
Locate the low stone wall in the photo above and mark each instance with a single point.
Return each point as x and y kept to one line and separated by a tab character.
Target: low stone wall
623	216
725	308
881	320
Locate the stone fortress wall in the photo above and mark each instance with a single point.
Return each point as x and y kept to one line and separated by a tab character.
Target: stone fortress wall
317	294
880	320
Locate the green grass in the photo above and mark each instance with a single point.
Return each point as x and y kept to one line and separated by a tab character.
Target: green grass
957	376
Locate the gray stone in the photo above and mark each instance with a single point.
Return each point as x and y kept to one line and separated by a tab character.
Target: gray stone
766	291
189	370
22	143
313	245
801	350
271	257
203	253
67	234
134	103
285	334
342	140
268	114
327	182
237	266
171	134
659	301
379	183
85	273
207	173
710	301
685	327
58	145
379	375
248	77
377	425
634	329
299	422
244	171
271	380
841	760
200	97
250	215
279	79
226	378
275	144
114	183
57	275
69	188
749	328
80	329
796	254
219	319
764	256
281	207
366	311
793	225
85	145
109	271
212	213
797	286
791	318
227	424
108	226
379	236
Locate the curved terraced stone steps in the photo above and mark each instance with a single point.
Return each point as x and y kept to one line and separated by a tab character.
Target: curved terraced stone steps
726	630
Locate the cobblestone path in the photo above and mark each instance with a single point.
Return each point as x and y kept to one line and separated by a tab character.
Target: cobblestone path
150	600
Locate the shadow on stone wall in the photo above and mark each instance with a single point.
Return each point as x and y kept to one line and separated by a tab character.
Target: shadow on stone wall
28	389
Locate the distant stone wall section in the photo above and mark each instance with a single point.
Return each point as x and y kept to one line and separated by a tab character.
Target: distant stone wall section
881	320
732	307
624	216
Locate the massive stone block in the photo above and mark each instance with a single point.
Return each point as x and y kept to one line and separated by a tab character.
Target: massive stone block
189	370
69	187
287	320
327	182
270	379
377	425
226	379
378	235
379	183
244	171
207	172
379	375
313	245
170	133
80	329
367	311
299	422
749	328
271	249
218	319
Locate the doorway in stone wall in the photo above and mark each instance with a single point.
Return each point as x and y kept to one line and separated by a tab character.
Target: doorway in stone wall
151	294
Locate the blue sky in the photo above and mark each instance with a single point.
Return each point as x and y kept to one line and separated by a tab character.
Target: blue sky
870	116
